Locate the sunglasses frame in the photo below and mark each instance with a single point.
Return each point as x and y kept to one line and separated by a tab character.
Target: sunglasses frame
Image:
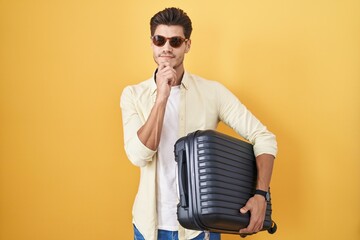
169	39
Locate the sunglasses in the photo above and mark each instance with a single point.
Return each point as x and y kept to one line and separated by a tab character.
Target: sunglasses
174	42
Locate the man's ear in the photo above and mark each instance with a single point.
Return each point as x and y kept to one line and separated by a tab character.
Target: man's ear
188	46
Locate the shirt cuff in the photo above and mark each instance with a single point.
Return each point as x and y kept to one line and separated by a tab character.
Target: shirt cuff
138	153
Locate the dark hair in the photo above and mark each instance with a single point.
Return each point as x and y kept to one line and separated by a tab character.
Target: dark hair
170	17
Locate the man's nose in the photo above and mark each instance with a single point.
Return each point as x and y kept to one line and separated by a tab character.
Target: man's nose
167	47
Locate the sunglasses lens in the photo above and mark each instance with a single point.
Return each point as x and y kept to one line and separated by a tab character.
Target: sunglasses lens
159	40
176	42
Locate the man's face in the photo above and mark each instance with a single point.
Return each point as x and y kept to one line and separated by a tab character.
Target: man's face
167	53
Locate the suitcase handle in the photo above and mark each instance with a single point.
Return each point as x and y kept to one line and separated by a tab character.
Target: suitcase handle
183	178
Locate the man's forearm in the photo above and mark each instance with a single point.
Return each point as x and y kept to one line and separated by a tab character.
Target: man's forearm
149	134
264	163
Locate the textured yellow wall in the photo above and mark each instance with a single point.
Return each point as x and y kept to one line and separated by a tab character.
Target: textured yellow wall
63	65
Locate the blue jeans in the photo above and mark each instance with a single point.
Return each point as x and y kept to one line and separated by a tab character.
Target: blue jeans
173	235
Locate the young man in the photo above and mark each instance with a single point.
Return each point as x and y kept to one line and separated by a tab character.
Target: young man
170	104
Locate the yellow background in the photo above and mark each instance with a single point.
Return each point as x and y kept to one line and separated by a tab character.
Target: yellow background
63	64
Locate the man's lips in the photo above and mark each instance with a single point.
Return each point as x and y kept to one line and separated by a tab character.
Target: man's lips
167	56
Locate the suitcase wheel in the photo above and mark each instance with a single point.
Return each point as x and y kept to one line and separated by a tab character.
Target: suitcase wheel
273	228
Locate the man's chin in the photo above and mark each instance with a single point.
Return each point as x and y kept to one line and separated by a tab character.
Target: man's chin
167	60
172	62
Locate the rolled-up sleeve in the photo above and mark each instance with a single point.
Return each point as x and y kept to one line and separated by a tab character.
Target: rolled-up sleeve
233	113
135	150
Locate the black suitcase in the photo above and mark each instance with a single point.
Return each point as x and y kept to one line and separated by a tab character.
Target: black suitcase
216	177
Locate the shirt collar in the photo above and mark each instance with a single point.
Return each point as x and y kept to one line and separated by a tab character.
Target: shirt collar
153	83
185	80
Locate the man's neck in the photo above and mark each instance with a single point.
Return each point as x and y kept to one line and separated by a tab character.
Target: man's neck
179	75
179	78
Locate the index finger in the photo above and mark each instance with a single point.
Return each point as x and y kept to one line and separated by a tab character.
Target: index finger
163	65
249	228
